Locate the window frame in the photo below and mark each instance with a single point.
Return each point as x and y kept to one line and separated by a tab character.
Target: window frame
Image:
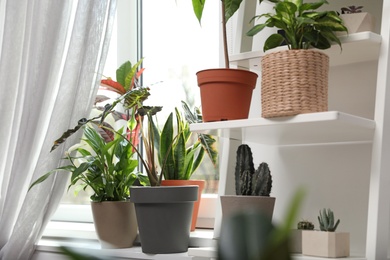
124	19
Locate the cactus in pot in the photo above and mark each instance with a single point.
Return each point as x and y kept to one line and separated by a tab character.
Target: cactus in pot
248	180
305	225
326	220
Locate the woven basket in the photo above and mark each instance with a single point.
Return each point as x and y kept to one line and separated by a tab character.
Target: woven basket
294	82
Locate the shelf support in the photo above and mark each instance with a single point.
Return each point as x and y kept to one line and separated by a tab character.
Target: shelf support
379	207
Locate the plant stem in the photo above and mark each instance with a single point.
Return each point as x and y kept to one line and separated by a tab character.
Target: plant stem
225	46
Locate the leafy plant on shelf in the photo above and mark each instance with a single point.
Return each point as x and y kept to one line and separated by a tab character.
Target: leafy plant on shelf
326	221
106	165
176	152
304	27
248	180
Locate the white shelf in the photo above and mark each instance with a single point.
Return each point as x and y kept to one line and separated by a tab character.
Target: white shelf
313	128
357	47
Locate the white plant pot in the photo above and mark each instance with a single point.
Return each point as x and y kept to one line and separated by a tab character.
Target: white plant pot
358	22
296	241
325	244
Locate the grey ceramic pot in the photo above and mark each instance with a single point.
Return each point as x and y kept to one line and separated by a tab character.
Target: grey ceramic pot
164	217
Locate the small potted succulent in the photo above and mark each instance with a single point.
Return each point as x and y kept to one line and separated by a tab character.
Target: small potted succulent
183	155
326	242
356	20
296	235
289	88
253	187
221	88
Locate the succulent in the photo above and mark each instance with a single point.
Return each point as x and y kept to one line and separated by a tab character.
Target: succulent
305	225
248	180
351	9
326	220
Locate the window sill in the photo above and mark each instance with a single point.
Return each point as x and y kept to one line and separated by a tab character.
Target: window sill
81	237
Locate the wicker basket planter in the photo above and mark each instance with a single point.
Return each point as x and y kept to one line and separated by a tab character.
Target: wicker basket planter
294	82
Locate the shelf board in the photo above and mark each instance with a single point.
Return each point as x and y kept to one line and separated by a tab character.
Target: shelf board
303	129
357	47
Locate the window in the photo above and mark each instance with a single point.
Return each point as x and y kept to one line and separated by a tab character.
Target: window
174	47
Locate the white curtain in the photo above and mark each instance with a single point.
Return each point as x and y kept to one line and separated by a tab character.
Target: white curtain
52	53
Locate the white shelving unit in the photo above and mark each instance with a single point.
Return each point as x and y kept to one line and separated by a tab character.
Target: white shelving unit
329	128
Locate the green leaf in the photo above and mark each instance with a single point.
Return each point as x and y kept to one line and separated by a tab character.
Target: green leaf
166	152
273	41
198	6
256	29
122	72
179	153
130	75
231	6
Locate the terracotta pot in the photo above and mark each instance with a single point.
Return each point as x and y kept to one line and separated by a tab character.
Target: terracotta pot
115	223
226	94
200	184
164	217
232	204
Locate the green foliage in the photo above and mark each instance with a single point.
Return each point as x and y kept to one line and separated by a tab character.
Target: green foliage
108	168
231	6
326	220
126	72
249	181
179	158
304	27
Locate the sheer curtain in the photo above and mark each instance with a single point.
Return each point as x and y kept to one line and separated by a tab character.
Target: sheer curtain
51	56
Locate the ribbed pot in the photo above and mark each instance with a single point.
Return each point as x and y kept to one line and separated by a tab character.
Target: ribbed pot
200	184
164	217
294	82
226	94
115	223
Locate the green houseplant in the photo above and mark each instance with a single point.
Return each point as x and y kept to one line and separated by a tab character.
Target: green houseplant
253	187
181	155
164	213
221	88
104	162
288	88
326	242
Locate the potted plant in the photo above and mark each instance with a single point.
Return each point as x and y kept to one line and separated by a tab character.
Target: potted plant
221	88
182	156
164	213
104	162
356	20
253	187
295	81
296	235
326	242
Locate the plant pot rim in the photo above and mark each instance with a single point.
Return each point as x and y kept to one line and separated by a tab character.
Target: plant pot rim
111	201
224	69
272	51
246	196
164	194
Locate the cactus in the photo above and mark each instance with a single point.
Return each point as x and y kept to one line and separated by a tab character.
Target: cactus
305	225
249	181
326	220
